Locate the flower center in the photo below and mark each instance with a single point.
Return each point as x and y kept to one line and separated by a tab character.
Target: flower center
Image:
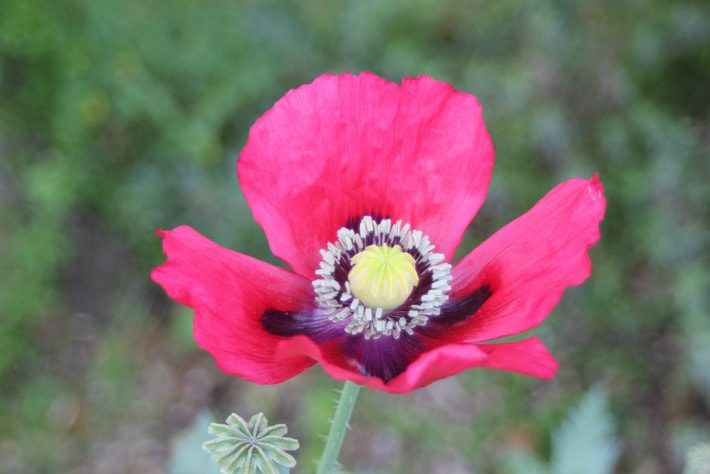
381	279
383	276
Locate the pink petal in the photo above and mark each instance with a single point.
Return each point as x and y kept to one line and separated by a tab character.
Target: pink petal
229	292
531	261
347	146
528	357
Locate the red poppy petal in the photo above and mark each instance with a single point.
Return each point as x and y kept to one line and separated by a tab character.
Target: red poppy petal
229	292
530	262
330	357
347	146
528	357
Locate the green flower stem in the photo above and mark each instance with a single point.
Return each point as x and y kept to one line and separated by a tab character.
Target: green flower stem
338	427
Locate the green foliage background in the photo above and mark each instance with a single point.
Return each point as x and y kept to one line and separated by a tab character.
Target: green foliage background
119	117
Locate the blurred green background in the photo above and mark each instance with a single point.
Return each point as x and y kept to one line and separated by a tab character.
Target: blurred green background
121	116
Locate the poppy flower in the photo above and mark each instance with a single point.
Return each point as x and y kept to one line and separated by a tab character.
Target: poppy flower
364	188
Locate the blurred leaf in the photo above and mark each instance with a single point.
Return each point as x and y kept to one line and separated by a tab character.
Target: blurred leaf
698	460
586	443
687	434
521	461
187	455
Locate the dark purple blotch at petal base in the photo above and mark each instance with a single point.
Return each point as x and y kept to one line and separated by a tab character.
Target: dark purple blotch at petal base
310	322
458	310
384	357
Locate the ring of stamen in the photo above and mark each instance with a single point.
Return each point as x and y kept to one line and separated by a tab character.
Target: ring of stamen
372	314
